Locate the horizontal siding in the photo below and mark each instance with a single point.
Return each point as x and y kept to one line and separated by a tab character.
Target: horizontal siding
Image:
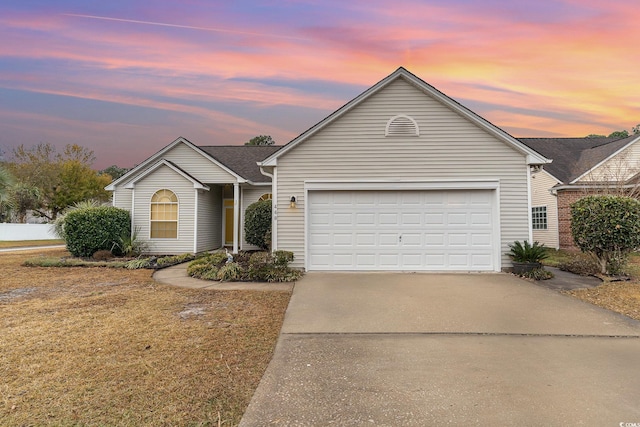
166	178
354	148
210	219
195	164
122	198
623	166
198	166
250	195
541	184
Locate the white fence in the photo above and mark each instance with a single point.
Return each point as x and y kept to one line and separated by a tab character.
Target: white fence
12	232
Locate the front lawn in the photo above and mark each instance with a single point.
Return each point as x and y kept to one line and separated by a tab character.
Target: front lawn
619	296
27	243
103	346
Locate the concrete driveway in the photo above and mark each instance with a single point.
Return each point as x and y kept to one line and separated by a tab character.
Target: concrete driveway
446	349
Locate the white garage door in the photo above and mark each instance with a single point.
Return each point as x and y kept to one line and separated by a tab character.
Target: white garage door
401	230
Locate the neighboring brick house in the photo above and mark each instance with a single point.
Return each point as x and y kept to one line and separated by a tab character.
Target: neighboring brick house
580	166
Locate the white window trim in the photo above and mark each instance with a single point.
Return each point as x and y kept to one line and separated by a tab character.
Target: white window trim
160	239
546	218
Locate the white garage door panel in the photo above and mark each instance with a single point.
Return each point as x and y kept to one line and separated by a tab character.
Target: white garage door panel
401	230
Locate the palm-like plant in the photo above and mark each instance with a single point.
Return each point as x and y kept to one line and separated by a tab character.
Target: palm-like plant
527	252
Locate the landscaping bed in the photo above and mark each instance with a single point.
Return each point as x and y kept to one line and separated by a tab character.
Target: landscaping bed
245	267
104	346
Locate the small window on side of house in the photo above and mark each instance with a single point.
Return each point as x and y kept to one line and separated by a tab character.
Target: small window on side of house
539	218
265	196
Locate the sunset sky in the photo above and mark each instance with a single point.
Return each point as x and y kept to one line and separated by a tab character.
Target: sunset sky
127	77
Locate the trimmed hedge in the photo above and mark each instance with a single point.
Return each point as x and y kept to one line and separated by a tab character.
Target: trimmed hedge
257	224
92	229
607	227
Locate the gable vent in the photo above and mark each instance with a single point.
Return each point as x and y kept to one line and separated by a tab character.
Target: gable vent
401	125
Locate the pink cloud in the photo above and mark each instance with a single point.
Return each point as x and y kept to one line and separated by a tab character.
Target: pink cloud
582	66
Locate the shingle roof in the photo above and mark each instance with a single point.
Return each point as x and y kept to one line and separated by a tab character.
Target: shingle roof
242	159
573	157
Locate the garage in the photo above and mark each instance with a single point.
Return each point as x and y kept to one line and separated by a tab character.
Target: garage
410	230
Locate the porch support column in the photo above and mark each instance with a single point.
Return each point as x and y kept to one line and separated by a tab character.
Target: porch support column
236	215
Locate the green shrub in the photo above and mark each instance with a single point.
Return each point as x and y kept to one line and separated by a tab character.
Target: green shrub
206	267
607	227
58	224
168	261
582	264
526	252
129	244
198	270
282	258
538	274
136	264
260	259
257	224
92	229
230	272
256	266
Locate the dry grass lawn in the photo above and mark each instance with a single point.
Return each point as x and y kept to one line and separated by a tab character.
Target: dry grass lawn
100	346
621	297
27	243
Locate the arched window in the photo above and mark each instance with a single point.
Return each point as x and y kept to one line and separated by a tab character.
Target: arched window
265	196
164	215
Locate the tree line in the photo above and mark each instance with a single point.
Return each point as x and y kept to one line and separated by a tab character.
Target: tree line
41	181
619	133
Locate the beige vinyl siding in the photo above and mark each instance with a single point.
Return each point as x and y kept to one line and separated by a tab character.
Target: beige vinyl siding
541	184
209	219
250	195
122	198
354	148
197	165
165	178
620	167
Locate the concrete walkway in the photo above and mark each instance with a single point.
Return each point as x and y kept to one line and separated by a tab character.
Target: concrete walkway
446	349
177	276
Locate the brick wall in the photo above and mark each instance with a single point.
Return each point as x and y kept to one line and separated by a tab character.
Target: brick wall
565	199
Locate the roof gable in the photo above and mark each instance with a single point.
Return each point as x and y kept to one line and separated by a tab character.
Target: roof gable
401	73
164	162
575	157
239	161
159	155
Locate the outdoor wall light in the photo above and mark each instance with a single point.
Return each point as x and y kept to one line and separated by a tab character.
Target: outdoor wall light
293	201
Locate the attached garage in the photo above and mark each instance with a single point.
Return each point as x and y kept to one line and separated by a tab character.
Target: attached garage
415	230
401	178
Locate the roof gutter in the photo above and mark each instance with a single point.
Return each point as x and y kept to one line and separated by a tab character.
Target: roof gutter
593	186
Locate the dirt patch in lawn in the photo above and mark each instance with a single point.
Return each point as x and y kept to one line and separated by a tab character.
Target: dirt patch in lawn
99	346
